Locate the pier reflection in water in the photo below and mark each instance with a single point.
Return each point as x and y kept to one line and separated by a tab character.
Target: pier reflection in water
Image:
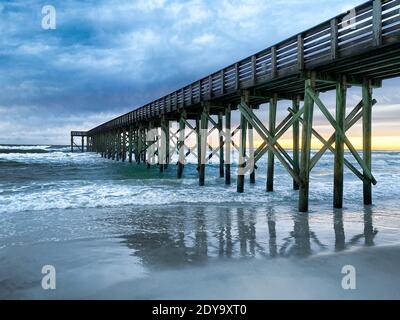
180	236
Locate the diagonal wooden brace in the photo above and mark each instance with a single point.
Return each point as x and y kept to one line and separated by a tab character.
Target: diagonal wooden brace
266	136
332	149
332	121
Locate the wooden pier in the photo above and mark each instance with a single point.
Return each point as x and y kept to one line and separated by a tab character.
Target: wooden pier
357	48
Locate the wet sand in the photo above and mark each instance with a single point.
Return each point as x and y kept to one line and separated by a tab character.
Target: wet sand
197	252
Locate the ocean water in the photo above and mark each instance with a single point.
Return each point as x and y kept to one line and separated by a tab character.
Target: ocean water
119	230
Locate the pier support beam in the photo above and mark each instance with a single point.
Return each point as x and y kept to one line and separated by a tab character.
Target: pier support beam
341	90
251	152
228	145
181	146
140	145
367	135
221	146
114	144
296	143
271	157
203	143
306	146
164	145
123	144
242	148
130	146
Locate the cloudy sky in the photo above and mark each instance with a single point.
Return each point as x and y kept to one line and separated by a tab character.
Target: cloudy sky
108	57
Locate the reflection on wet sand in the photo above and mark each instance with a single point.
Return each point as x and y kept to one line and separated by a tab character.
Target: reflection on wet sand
178	237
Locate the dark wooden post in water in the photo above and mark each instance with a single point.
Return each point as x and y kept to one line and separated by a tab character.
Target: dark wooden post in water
242	151
251	153
221	145
123	144
203	143
163	151
228	145
306	146
296	143
367	135
341	89
271	157
181	146
149	135
83	144
139	145
113	144
198	137
72	143
130	148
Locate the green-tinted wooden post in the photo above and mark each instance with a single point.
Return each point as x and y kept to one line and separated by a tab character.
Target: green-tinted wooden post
161	148
148	147
271	157
306	147
251	153
203	149
123	145
163	151
367	137
106	147
119	145
114	144
167	144
198	137
242	152
228	145
145	145
181	146
109	142
341	90
130	144
221	146
138	145
296	143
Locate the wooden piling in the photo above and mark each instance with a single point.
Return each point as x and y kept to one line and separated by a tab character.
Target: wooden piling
130	146
271	157
167	144
138	145
181	147
296	143
228	145
221	146
251	153
203	145
341	90
306	146
123	144
242	152
198	143
114	145
367	137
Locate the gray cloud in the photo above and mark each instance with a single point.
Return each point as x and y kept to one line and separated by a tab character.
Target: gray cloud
108	57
